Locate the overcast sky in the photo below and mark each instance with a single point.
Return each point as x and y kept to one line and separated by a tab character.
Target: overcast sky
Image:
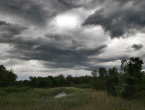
52	37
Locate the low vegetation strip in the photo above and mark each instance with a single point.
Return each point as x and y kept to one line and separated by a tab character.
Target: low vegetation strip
76	99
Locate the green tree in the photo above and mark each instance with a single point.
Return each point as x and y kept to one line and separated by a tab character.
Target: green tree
69	80
94	73
102	72
132	79
132	67
98	82
10	76
7	77
33	81
113	72
3	77
60	80
112	81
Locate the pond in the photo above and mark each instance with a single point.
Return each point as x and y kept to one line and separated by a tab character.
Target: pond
60	95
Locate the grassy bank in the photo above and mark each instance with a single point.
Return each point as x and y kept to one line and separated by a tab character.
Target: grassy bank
77	99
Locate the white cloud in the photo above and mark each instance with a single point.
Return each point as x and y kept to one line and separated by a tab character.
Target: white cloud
66	21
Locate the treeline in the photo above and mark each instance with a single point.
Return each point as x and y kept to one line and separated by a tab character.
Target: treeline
8	78
127	82
57	81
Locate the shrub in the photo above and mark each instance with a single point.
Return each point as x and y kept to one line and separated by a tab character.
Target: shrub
83	85
2	93
10	89
13	89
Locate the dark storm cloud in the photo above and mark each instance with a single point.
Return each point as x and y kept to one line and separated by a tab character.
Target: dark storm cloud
68	3
119	17
57	51
29	10
39	12
8	30
70	59
137	46
50	52
59	6
106	60
63	5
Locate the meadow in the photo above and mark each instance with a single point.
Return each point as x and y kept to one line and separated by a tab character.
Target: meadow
76	99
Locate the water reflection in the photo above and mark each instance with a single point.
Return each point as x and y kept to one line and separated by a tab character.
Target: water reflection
60	95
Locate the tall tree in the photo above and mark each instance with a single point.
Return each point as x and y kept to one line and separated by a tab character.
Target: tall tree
132	79
94	73
113	72
132	67
6	76
112	81
102	72
69	80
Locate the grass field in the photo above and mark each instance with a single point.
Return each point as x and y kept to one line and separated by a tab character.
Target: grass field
76	99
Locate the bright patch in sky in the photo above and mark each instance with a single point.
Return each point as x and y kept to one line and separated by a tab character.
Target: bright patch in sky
66	21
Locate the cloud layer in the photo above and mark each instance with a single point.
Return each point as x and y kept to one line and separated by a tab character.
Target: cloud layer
119	17
60	51
8	31
30	10
32	41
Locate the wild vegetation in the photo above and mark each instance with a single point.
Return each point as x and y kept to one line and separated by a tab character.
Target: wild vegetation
112	89
76	99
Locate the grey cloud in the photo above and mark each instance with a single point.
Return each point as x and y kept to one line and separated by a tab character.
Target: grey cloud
3	23
26	9
119	18
58	5
68	3
8	30
39	12
71	59
122	1
137	46
63	5
109	59
62	41
56	51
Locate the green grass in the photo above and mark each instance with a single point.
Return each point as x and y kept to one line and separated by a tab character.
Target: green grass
76	99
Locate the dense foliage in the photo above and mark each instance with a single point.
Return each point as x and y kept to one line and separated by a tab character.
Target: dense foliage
57	81
130	81
127	82
7	77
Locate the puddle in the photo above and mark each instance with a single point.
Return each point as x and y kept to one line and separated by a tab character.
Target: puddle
60	95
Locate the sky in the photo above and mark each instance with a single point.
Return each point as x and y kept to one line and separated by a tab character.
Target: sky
69	37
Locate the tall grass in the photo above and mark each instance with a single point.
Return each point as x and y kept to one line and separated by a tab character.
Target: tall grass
77	99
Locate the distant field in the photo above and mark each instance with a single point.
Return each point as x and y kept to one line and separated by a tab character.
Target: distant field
76	99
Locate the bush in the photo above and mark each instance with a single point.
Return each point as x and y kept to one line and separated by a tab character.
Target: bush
2	93
10	89
23	89
112	85
83	86
13	89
